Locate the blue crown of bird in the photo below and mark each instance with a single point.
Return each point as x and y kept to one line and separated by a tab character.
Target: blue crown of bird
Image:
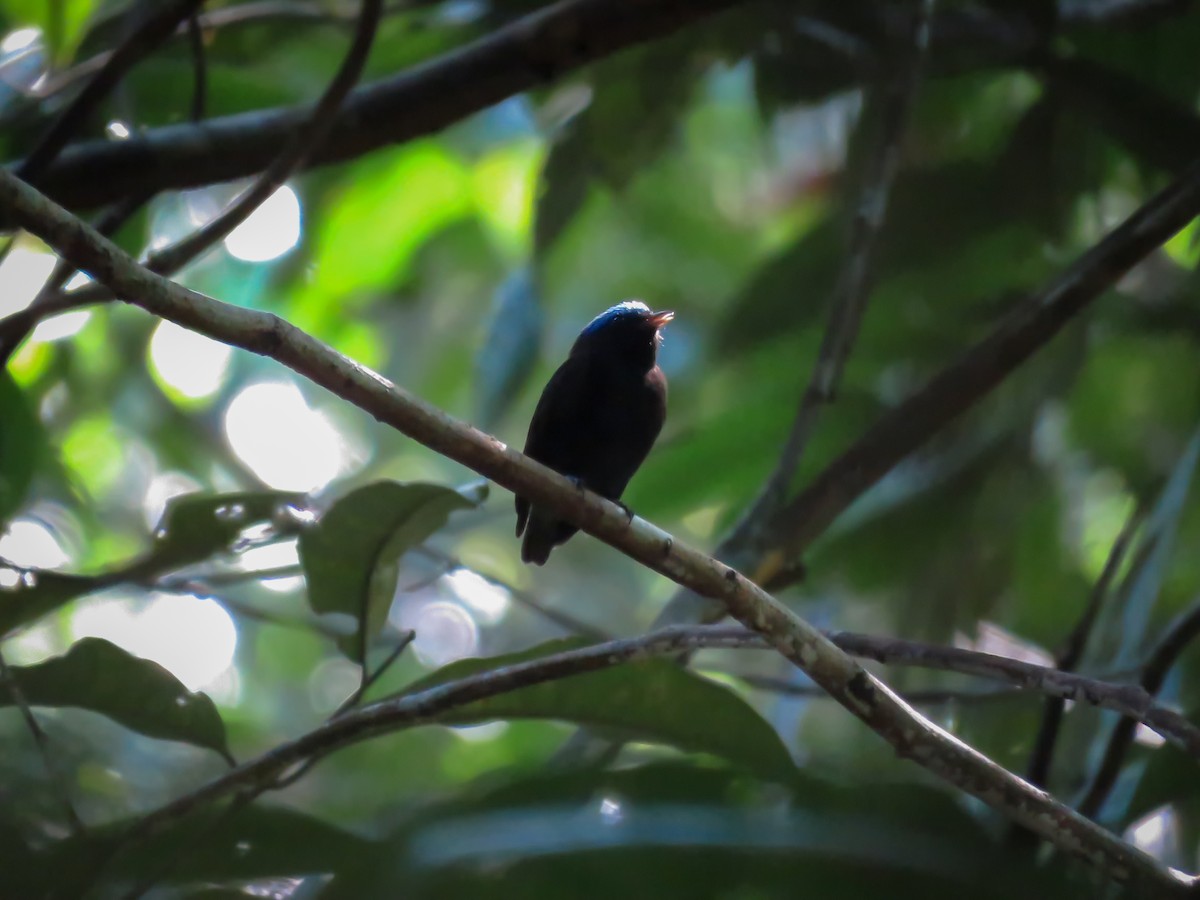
598	416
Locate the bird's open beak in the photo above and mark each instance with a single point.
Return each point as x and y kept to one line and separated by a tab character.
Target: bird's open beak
659	319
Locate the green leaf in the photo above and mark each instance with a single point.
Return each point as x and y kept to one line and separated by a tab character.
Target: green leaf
653	700
213	845
510	350
391	205
695	831
139	694
1121	633
193	528
22	442
350	557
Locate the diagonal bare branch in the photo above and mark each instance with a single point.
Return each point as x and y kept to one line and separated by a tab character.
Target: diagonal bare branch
977	371
863	695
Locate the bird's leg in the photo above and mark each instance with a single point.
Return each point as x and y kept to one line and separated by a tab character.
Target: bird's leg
628	512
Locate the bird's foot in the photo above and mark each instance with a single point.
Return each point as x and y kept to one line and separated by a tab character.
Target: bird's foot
628	512
578	482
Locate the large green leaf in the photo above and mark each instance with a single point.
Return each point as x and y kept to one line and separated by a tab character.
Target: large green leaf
350	556
212	845
653	700
141	695
692	831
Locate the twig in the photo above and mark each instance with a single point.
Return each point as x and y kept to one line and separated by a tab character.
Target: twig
351	702
16	327
926	697
899	89
1042	757
43	745
303	144
369	680
522	55
745	543
307	140
527	53
199	68
911	735
221	19
976	372
158	25
1175	640
563	620
412	709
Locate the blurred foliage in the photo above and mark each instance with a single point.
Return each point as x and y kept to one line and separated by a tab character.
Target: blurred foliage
277	542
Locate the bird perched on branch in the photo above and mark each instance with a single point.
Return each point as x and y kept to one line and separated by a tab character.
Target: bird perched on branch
598	416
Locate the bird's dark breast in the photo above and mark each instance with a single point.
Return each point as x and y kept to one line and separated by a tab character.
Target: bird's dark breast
603	433
596	422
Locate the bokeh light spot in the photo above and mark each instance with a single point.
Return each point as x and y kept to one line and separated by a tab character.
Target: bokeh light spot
488	601
31	543
192	637
445	632
284	441
22	275
187	365
271	230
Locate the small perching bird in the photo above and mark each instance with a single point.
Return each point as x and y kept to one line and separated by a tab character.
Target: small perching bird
598	416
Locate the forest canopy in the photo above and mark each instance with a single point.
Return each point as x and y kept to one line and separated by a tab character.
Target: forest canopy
903	600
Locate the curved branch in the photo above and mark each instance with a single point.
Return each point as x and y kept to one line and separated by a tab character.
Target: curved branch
1178	636
869	699
349	726
153	30
976	372
530	52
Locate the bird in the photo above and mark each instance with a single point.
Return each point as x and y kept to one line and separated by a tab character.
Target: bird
598	416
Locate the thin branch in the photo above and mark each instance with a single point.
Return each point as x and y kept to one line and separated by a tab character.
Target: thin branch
1042	757
16	327
199	68
369	680
912	736
1130	699
425	706
926	697
170	259
1175	640
976	372
527	53
307	140
524	54
558	617
221	19
745	543
158	25
43	745
899	89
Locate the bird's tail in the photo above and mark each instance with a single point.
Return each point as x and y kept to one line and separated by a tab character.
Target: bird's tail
543	532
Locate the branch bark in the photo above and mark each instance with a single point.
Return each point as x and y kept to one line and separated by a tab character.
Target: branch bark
912	736
349	725
530	52
976	372
523	55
